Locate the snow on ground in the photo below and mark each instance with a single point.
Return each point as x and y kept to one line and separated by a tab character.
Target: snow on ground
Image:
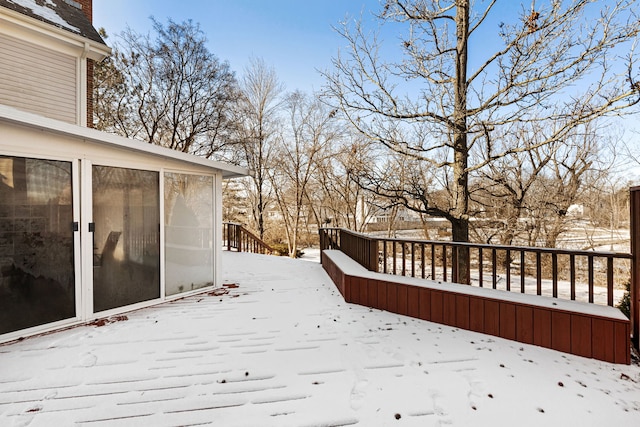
284	349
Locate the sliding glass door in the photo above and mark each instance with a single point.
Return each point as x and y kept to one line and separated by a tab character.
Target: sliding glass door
42	280
188	222
37	275
126	236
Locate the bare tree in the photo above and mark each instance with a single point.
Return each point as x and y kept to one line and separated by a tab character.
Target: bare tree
112	110
530	192
167	90
339	200
571	170
557	62
394	180
235	206
258	121
606	207
307	140
504	187
631	146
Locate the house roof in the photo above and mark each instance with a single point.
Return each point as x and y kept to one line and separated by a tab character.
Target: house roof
63	14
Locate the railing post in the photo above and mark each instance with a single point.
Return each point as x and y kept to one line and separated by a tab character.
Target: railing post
454	264
323	242
373	255
226	231
634	288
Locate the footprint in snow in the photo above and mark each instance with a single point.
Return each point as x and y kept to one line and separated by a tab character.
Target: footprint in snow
88	360
358	393
475	390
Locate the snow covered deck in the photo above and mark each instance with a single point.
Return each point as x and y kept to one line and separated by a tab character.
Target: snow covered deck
283	348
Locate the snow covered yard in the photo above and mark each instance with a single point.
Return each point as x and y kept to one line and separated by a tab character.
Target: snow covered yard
283	349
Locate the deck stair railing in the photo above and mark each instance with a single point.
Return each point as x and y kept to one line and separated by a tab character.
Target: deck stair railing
237	238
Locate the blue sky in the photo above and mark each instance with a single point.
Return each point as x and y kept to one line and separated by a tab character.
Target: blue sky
293	36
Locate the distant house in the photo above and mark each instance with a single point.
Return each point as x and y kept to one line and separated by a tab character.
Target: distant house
91	224
372	217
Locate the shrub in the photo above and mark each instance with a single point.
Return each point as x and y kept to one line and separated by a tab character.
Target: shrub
625	303
283	249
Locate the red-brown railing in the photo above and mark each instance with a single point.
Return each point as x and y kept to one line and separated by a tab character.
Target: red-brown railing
236	237
634	290
511	268
359	247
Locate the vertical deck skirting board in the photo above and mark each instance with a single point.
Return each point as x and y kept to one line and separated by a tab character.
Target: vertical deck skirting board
588	330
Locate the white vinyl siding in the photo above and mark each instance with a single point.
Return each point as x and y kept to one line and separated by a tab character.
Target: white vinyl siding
38	80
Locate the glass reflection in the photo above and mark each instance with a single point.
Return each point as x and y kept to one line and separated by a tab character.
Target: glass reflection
126	260
188	202
37	283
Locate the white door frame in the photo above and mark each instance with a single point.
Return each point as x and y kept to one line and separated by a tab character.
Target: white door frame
77	236
86	215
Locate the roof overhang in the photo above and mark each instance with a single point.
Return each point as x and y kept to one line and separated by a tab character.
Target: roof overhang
17	117
87	47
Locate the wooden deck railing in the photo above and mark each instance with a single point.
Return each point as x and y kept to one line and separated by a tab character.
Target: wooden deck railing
359	247
237	237
634	291
511	268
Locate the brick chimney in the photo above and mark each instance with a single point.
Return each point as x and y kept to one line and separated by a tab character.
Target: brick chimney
87	8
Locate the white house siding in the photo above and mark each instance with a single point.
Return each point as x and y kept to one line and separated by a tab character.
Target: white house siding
38	80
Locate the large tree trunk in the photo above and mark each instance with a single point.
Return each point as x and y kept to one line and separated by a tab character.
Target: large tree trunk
260	216
460	231
460	223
